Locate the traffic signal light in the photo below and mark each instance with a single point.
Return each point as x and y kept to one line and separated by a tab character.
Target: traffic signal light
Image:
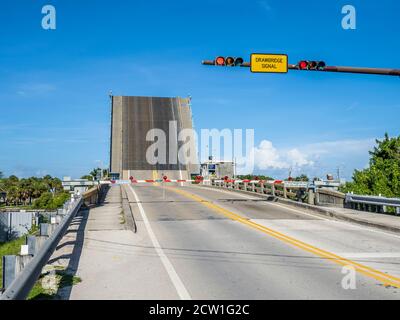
220	61
311	65
228	61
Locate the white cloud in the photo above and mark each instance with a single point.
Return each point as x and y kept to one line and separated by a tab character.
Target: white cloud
347	147
268	157
298	159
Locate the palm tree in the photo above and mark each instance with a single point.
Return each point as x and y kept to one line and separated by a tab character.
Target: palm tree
13	195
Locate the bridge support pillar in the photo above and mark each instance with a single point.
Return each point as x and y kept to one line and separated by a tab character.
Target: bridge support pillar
311	197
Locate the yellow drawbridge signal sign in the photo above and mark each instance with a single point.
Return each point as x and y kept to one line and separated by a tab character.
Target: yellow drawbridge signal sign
269	63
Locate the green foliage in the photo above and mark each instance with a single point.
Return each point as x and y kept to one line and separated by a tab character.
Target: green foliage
88	177
11	248
302	177
383	175
49	201
93	174
23	192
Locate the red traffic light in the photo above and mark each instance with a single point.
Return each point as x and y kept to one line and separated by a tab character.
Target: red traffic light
303	65
311	65
228	61
220	61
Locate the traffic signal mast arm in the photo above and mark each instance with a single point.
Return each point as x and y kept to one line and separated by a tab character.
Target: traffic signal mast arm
378	71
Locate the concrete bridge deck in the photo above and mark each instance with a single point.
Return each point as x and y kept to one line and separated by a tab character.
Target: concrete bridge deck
201	243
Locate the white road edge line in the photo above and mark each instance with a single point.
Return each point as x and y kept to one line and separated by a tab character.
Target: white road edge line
177	282
352	224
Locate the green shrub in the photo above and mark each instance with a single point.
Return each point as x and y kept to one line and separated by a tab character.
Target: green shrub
51	202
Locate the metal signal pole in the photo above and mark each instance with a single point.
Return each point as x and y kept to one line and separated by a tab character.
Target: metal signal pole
338	69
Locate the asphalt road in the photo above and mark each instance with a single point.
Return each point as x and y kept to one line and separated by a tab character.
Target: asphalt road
204	253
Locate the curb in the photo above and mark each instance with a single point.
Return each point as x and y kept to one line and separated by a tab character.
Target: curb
126	207
319	210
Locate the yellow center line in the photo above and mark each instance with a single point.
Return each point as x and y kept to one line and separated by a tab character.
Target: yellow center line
386	279
155	177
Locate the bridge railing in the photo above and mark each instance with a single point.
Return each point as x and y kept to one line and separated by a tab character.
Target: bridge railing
309	193
372	203
21	272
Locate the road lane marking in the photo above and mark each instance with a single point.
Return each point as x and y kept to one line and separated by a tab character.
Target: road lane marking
315	215
384	278
177	282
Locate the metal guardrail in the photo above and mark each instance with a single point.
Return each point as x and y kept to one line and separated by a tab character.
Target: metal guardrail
373	200
20	288
314	195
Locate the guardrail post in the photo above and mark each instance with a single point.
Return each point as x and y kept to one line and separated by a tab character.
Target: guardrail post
21	262
32	244
253	187
9	270
44	229
398	211
245	186
273	190
40	240
284	192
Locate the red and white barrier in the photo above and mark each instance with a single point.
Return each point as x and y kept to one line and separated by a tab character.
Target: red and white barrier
134	181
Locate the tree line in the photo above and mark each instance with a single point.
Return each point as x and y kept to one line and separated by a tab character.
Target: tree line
39	193
383	173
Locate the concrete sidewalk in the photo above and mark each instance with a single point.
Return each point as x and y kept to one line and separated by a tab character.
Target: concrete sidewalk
385	222
113	261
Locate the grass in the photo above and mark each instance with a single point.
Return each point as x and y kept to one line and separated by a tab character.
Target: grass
123	221
8	249
12	248
38	292
63	280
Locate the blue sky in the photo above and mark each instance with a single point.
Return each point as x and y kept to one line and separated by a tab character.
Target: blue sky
54	84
